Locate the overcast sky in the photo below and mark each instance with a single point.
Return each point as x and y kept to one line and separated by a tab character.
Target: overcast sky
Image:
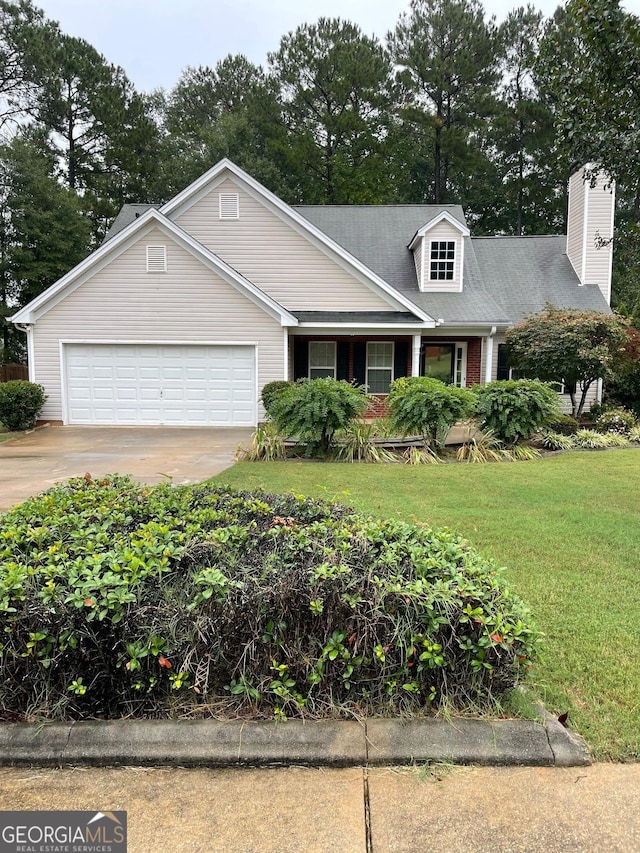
154	40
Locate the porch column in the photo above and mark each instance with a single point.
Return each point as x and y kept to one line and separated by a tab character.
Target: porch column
488	356
415	355
285	372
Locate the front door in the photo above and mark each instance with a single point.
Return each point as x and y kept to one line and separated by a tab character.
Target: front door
445	362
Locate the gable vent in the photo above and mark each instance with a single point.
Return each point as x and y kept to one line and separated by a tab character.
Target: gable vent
156	258
229	206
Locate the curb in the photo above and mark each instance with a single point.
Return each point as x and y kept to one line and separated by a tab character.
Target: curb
318	743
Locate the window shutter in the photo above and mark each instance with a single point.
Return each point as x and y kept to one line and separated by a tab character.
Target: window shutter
300	358
156	258
229	206
503	366
360	362
342	371
401	360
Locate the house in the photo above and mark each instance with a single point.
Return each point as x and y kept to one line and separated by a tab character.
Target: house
188	309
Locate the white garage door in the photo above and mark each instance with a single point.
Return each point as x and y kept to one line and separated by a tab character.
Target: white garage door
160	384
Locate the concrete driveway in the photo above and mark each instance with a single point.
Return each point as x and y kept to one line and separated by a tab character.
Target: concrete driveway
33	462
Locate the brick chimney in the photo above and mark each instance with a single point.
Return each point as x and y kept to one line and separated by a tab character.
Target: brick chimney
590	227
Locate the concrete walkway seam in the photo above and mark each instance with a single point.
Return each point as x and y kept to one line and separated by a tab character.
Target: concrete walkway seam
326	743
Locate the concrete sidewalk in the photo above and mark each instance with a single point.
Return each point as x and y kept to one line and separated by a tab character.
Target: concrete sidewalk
435	808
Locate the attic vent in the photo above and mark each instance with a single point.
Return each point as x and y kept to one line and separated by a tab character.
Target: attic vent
156	258
229	206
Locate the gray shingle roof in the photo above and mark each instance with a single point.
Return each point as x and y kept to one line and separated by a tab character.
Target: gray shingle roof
379	236
524	273
128	213
505	278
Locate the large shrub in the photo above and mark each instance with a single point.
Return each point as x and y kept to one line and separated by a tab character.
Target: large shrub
420	405
513	409
20	403
313	410
271	392
117	599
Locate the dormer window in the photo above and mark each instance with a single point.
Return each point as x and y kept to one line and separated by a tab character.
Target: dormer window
442	260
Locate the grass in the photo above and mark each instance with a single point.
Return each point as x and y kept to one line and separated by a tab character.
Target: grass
566	529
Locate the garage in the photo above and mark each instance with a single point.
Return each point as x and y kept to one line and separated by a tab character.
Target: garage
151	384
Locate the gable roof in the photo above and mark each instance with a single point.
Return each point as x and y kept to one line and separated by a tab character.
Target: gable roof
441	216
122	241
303	225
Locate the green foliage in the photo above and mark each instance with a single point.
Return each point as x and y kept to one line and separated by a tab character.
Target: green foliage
419	405
266	445
615	420
118	599
314	410
513	409
556	440
481	446
590	439
357	443
561	423
590	60
334	91
20	404
271	391
574	348
624	390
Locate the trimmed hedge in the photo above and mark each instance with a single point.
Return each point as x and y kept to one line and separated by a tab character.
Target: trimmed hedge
20	404
116	599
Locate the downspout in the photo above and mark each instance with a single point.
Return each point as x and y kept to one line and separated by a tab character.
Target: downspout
488	365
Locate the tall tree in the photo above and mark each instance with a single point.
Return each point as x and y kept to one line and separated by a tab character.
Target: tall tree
101	128
43	231
448	69
532	183
590	63
231	111
26	44
335	98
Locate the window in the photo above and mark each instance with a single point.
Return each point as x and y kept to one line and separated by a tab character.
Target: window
443	254
156	258
379	367
229	206
322	359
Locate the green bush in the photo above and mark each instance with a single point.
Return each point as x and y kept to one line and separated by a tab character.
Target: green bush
513	409
20	403
615	420
420	405
271	392
313	410
562	424
624	390
119	599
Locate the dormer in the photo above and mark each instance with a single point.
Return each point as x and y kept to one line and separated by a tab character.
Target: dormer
438	253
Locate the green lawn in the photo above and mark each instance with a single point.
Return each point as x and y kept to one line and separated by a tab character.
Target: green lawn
567	529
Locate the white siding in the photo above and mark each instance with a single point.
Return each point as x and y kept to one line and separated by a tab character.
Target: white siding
417	257
187	304
575	223
590	216
443	231
271	254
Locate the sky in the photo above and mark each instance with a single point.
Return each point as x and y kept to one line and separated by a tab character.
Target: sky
154	40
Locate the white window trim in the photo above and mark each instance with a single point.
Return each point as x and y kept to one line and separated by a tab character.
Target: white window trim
229	202
333	367
156	259
393	360
433	240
